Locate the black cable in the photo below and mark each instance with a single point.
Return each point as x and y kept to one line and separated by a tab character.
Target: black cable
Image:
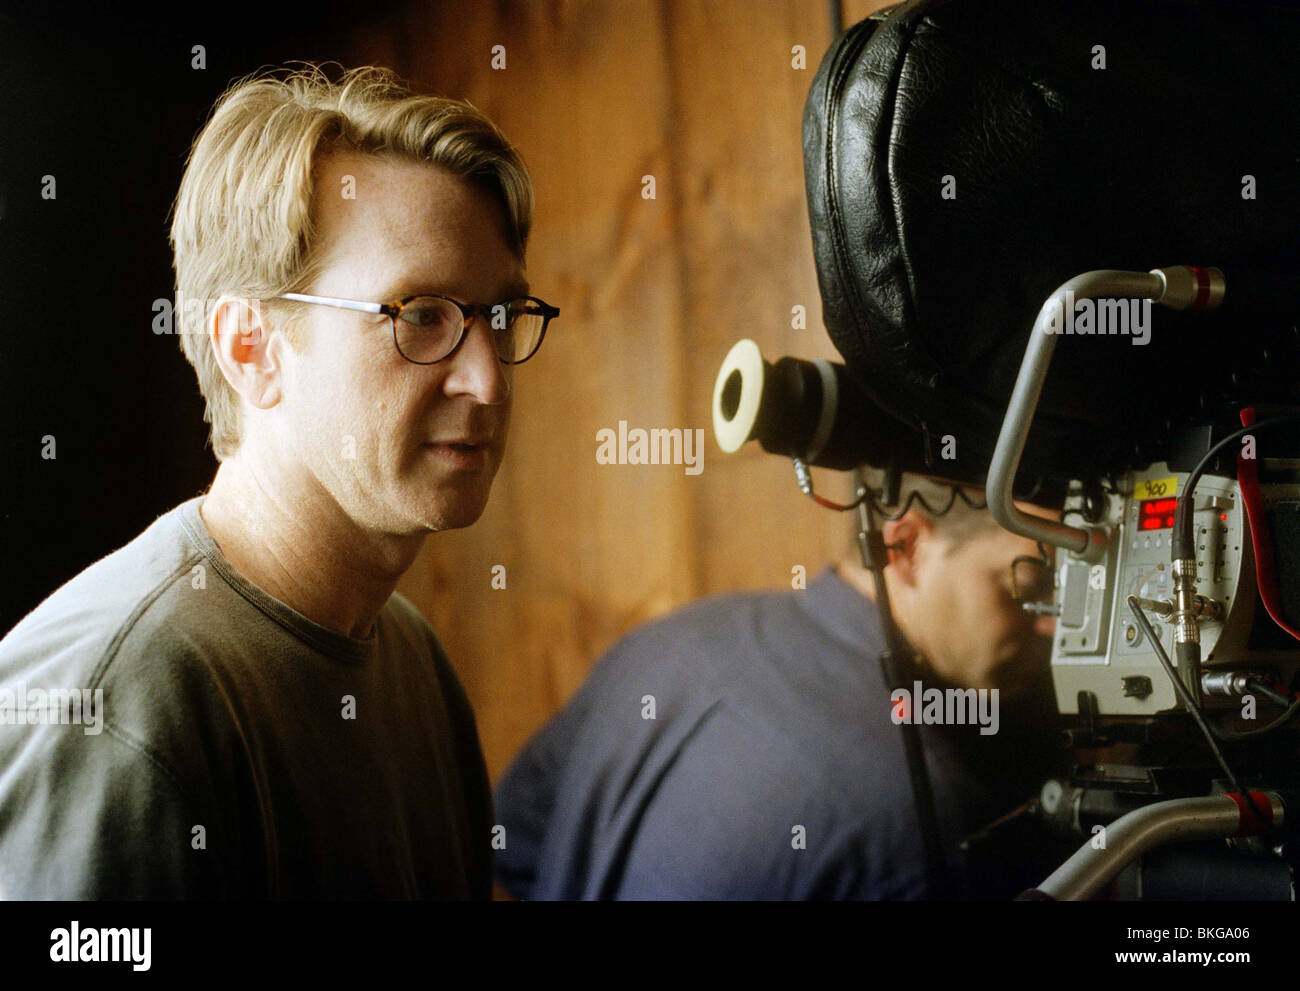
1270	692
1183	541
1179	687
1033	493
914	754
1224	736
1205	728
915	496
1291	710
867	496
1182	547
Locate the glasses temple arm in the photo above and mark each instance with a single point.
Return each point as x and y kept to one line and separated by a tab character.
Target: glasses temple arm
342	304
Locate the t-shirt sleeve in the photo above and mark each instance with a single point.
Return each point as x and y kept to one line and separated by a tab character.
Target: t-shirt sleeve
95	816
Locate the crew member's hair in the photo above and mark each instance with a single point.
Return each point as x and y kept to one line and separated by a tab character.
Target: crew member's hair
243	223
958	526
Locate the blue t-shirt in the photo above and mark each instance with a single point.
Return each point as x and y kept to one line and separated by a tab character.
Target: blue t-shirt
743	748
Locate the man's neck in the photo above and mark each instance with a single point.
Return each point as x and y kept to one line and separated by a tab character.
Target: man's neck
864	582
858	577
295	543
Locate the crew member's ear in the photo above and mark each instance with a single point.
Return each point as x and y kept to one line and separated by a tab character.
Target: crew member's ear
245	349
907	539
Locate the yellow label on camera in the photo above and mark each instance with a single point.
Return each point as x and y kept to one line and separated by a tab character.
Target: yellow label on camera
1156	488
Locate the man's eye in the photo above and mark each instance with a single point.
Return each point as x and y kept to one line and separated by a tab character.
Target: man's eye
425	316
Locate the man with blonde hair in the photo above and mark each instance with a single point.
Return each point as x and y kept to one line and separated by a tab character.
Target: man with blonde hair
245	706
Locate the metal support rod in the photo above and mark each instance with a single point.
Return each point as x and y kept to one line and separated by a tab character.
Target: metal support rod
1028	389
1179	820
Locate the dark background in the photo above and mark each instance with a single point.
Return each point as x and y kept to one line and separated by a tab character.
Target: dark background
108	104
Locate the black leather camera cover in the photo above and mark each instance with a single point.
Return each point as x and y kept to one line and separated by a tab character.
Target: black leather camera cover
1068	136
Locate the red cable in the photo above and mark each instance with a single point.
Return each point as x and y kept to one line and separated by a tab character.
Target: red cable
1265	568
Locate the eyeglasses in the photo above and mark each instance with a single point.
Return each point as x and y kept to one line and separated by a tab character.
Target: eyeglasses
429	328
1032	578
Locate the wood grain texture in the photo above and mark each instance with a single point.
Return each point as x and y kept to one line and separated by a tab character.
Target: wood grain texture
597	94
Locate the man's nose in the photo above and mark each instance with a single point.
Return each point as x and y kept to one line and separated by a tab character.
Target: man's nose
476	368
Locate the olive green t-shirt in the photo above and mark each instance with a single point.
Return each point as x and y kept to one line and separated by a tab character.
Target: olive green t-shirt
170	730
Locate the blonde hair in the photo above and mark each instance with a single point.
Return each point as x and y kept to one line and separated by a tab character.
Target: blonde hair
242	220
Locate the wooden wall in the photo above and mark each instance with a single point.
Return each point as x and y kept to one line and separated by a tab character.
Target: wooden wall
597	94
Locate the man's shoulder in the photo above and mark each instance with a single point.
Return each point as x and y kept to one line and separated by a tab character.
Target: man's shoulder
775	654
142	629
722	631
410	634
763	619
78	626
104	694
410	622
743	686
710	745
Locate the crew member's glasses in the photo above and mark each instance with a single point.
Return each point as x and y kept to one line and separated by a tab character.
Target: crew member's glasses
1032	578
428	329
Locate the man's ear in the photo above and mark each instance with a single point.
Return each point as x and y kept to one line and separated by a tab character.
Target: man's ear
246	350
908	538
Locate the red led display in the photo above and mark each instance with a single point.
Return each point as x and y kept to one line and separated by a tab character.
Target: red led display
1156	514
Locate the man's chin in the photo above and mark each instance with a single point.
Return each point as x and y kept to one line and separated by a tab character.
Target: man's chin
450	503
449	507
456	516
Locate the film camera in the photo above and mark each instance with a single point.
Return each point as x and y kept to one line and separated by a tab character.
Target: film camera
989	189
